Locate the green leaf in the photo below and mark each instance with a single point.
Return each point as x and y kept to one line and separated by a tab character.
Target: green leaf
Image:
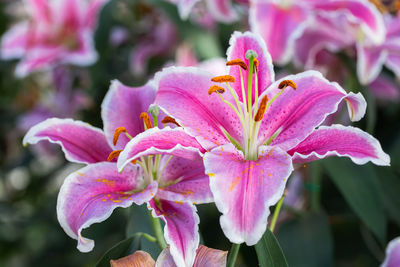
360	187
120	250
269	253
307	241
390	184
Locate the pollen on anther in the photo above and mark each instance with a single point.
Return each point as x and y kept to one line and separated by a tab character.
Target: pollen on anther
216	88
256	64
146	118
237	62
168	119
114	154
262	108
286	83
223	78
117	133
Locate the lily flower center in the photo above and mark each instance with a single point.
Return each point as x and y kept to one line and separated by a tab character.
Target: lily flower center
153	166
249	113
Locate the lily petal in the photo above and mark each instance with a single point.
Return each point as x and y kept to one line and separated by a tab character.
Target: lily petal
341	141
385	88
168	141
181	229
184	180
204	257
361	12
137	259
79	141
122	107
14	41
370	61
296	113
91	194
244	190
202	115
279	26
238	46
222	10
392	258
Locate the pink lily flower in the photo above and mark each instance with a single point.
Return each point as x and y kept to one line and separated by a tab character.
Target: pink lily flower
281	23
204	257
220	10
392	254
253	137
165	170
371	58
58	32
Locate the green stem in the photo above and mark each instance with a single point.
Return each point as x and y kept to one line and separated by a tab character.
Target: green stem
276	214
149	237
158	232
233	255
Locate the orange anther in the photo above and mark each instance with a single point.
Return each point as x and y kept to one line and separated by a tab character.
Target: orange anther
216	88
114	154
168	119
286	83
146	118
256	63
224	78
117	133
237	62
261	109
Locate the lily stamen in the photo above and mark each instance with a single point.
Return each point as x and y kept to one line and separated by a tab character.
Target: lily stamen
168	119
118	132
114	154
223	78
216	89
261	109
146	119
237	62
285	83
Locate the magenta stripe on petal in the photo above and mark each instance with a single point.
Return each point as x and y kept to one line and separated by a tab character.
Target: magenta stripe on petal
244	190
342	141
296	113
81	142
90	194
181	229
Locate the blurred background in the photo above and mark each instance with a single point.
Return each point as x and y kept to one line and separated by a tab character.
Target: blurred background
336	213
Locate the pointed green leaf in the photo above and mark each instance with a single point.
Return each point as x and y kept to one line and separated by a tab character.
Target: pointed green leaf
360	187
307	241
269	253
121	249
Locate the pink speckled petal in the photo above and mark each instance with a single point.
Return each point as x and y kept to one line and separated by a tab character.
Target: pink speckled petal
278	26
80	142
204	257
122	106
392	258
238	46
181	229
184	180
175	142
296	113
90	194
93	12
244	190
341	141
183	94
40	10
